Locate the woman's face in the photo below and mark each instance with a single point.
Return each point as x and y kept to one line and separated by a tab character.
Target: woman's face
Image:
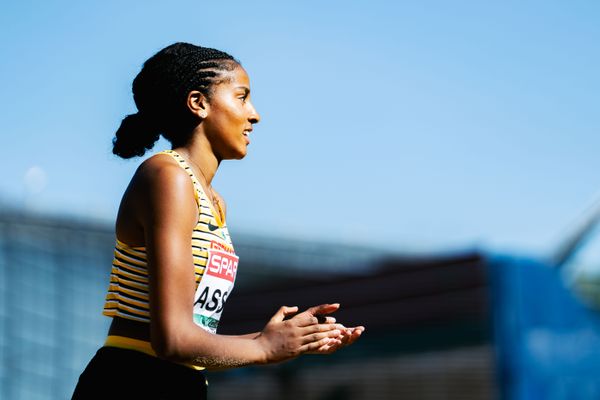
230	116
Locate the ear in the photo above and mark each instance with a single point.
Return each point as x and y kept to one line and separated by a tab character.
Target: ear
197	104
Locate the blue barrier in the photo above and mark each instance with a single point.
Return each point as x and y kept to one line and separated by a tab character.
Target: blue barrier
547	341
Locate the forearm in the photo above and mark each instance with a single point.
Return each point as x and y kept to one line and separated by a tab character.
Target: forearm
237	357
253	335
193	345
225	364
280	340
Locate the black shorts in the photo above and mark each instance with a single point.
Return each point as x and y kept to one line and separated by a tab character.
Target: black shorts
115	373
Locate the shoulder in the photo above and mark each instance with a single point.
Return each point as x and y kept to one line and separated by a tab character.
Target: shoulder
162	171
161	185
160	194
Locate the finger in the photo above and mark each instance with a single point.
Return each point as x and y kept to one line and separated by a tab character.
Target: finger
322	328
314	346
325	320
324	349
290	311
345	339
305	319
334	344
360	329
283	312
351	330
329	348
323	309
316	337
308	317
353	338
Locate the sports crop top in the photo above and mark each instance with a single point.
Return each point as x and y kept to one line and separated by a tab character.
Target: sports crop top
215	266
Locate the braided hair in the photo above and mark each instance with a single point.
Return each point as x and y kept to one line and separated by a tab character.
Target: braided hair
160	91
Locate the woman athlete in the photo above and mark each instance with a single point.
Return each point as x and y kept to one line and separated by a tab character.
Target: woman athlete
174	263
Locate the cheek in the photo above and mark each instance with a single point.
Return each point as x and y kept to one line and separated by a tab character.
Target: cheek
224	126
228	115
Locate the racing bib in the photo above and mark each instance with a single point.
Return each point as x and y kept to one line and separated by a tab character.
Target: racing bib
215	286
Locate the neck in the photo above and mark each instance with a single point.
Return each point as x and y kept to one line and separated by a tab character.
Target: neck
202	158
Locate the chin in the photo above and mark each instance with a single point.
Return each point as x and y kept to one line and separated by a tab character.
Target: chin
238	155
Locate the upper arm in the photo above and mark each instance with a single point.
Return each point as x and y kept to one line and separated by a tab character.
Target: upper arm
168	214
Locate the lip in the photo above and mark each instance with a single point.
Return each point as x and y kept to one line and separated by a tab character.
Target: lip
245	134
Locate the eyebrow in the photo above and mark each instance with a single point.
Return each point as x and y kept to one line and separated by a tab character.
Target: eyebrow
246	89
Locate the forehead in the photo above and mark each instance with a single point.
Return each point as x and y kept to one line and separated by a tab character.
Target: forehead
237	77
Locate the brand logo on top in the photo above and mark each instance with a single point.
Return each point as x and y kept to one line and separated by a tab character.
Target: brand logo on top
220	246
221	263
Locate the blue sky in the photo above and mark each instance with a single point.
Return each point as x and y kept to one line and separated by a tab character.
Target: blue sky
413	126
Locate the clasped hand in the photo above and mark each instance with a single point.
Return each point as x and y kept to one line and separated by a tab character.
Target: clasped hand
289	334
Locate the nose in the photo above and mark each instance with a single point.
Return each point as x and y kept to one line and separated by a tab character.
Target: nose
254	117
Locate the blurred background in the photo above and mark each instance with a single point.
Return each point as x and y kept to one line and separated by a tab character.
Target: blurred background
430	165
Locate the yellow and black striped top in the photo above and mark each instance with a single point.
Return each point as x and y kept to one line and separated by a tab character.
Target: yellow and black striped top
128	293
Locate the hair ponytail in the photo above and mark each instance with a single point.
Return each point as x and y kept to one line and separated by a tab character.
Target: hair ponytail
135	136
160	90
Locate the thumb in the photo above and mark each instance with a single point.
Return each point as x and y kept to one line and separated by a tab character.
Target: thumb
283	312
324	309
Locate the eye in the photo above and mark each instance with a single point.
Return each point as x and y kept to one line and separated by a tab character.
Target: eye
243	94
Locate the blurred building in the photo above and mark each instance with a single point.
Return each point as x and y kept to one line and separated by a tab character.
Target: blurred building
427	337
53	277
426	317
